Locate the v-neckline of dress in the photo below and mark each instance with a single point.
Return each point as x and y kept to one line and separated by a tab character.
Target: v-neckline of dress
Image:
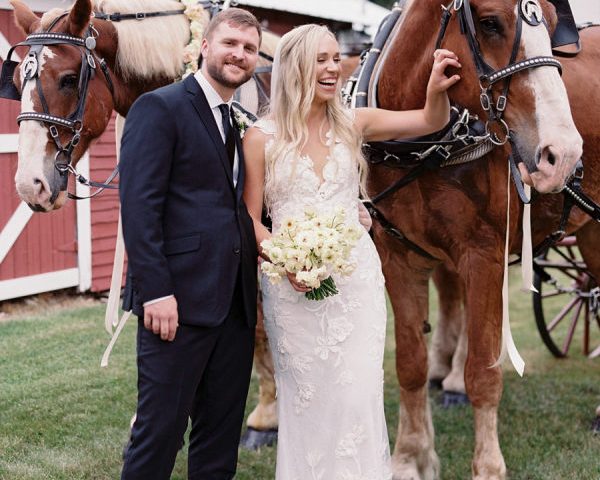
322	180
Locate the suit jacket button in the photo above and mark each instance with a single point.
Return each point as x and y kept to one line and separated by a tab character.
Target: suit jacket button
236	251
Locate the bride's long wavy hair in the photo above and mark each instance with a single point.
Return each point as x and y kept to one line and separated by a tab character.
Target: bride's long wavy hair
292	93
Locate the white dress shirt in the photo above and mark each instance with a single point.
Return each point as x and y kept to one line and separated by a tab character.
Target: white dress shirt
214	100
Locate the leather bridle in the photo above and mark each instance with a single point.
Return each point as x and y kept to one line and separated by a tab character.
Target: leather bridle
529	11
74	121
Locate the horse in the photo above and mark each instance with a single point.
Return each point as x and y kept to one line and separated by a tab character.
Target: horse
127	58
448	349
458	215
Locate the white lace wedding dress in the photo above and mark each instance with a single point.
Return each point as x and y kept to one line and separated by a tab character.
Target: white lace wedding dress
328	354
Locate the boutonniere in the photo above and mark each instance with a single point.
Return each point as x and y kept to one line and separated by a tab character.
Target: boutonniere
243	118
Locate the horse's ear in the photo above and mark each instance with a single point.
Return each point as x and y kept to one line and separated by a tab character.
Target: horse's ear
25	19
79	18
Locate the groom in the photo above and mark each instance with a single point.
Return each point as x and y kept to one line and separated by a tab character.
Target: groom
192	259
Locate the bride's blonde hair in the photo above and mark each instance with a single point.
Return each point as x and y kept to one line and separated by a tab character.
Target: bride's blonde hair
292	94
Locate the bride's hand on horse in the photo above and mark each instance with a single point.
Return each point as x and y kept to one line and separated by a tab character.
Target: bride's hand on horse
378	124
437	105
364	217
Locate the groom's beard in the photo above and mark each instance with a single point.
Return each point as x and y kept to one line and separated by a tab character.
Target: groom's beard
219	73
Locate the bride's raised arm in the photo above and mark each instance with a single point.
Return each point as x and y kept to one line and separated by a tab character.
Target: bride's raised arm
378	124
254	158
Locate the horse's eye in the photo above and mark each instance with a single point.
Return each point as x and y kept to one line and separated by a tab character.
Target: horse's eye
490	25
68	82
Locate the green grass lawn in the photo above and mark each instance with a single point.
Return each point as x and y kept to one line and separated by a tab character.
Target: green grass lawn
63	417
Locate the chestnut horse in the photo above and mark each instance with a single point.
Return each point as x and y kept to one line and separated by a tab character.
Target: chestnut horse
447	353
458	214
140	55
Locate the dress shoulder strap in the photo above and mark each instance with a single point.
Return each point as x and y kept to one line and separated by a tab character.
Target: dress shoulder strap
266	126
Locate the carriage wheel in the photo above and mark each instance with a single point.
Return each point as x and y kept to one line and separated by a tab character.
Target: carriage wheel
568	296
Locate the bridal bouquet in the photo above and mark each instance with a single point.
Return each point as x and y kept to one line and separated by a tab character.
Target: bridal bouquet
312	247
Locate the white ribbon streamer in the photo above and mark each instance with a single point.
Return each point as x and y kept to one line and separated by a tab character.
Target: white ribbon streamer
526	247
508	343
111	317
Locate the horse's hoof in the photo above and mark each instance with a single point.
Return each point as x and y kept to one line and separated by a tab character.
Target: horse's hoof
435	383
596	426
253	439
454	399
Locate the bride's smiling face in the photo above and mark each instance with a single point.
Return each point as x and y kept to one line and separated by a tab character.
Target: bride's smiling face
328	69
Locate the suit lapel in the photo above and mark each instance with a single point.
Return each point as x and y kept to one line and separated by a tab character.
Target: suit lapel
201	105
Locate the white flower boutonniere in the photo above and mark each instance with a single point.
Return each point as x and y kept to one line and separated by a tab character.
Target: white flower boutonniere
242	118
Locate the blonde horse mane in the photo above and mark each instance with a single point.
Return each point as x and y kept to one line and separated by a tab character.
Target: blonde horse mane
268	46
152	48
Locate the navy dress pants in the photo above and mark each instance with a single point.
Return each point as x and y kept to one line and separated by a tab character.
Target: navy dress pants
203	375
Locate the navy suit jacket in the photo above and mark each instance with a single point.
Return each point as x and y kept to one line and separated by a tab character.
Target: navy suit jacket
187	230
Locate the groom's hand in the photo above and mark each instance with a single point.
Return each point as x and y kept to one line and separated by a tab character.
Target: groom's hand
161	317
364	217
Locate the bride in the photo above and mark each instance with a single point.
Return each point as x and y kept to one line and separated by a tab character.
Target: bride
328	354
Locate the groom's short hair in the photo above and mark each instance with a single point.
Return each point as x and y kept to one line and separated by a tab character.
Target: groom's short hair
235	16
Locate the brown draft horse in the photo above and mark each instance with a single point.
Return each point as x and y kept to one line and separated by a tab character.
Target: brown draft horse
458	214
140	56
449	344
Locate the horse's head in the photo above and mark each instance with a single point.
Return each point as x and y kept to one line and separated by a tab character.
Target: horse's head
517	34
529	98
65	101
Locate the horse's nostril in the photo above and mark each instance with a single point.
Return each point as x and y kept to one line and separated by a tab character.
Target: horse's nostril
551	158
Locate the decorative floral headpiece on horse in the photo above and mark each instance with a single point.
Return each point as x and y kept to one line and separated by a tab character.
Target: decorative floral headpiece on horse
195	13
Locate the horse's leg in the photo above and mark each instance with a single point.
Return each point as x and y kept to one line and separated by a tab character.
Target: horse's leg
483	283
455	392
262	422
449	324
414	455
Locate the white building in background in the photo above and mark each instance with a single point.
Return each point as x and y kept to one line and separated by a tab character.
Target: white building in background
586	10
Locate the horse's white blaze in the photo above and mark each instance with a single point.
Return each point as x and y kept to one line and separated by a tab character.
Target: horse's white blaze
33	137
554	122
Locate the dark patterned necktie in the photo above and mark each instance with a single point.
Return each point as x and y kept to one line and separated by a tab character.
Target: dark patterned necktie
228	131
